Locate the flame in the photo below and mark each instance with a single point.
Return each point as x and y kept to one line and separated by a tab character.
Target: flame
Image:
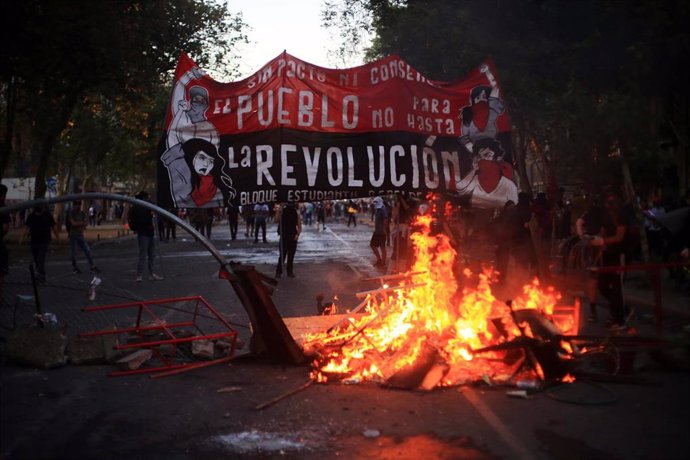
431	309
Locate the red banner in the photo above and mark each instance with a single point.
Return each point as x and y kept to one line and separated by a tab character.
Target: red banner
295	131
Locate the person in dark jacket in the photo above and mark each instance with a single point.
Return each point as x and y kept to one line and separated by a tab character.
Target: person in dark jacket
608	232
233	221
142	220
289	228
39	225
522	244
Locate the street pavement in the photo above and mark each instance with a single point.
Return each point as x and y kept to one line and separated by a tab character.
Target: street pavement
80	412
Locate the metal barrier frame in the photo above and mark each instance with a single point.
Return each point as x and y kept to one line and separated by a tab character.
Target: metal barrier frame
201	307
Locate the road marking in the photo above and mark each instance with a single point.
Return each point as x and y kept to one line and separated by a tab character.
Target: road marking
499	427
362	260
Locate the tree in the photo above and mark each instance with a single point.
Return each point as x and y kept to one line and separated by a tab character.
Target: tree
64	56
581	76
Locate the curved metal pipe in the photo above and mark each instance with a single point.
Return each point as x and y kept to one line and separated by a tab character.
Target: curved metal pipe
134	201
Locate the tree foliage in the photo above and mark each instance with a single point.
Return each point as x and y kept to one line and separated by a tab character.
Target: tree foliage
579	76
81	78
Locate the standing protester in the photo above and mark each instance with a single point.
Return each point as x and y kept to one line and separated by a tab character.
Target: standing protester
210	216
4	228
248	216
503	235
160	224
609	237
39	225
170	226
563	213
653	228
141	222
401	230
523	245
308	213
320	215
289	228
199	219
351	213
77	224
92	215
260	214
587	228
378	238
233	221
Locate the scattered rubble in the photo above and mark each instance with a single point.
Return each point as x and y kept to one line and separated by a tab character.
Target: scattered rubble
92	350
203	349
248	442
39	347
135	360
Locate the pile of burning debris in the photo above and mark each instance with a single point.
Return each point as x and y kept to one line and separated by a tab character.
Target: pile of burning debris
418	330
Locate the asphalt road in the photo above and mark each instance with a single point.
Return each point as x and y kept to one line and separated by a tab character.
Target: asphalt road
79	412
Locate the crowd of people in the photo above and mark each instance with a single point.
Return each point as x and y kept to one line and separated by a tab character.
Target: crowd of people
527	238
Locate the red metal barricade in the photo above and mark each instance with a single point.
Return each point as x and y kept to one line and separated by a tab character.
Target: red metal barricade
654	272
152	331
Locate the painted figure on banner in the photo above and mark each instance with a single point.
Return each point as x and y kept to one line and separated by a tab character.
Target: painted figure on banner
198	176
490	182
197	172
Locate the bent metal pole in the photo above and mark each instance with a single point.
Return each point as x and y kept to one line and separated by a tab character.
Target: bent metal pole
224	264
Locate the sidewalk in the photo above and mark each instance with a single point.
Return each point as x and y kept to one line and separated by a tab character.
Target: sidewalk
105	231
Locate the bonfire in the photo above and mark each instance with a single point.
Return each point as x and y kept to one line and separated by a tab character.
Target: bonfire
437	327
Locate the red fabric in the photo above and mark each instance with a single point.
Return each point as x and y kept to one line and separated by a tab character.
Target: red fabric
206	191
490	172
387	95
507	170
480	114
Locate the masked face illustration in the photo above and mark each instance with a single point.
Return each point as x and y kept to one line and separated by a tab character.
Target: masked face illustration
198	101
486	153
203	163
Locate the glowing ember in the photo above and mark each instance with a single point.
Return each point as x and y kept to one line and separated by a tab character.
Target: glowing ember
428	321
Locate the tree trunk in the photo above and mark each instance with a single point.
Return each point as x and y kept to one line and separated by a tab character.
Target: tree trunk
6	148
632	197
55	127
682	158
520	155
